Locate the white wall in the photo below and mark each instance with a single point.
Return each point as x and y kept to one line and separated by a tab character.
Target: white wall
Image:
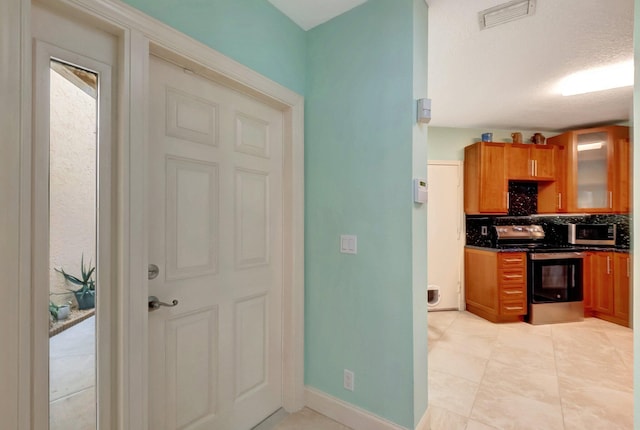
72	183
447	143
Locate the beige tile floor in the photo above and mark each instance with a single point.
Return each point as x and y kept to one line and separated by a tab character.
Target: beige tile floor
518	376
482	376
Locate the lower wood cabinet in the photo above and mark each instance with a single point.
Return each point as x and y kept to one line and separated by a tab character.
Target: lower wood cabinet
496	284
607	284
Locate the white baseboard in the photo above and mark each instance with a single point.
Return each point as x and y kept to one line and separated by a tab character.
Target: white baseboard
348	414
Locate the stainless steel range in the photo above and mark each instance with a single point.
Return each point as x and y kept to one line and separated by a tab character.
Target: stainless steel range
554	274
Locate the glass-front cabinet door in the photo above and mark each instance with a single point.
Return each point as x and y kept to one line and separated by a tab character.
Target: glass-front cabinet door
593	180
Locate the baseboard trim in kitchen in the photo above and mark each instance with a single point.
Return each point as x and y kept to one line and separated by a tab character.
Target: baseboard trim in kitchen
348	414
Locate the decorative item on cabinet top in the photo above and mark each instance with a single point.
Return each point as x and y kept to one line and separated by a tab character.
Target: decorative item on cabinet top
538	139
516	137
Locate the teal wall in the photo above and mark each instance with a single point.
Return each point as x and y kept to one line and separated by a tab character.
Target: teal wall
360	73
359	130
447	143
252	32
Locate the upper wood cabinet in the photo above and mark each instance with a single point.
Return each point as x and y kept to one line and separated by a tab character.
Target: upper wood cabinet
531	162
552	196
597	169
485	180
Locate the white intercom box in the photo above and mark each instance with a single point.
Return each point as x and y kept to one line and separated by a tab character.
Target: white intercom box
420	190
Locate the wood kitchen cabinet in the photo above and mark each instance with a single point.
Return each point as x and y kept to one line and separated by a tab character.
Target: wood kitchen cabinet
602	282
485	180
552	196
587	285
531	162
597	169
496	284
621	286
609	284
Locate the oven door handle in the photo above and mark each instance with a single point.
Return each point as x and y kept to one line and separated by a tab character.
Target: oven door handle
556	255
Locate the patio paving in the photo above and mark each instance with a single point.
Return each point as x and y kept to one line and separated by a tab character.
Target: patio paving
72	378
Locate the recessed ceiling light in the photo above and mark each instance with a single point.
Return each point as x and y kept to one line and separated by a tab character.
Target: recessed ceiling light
506	12
598	79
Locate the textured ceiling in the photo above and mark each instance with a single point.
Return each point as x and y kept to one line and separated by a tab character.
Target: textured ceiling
507	76
310	13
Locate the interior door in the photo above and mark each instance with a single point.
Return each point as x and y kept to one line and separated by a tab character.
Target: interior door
215	219
445	232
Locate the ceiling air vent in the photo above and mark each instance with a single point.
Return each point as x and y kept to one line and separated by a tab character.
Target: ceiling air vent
506	12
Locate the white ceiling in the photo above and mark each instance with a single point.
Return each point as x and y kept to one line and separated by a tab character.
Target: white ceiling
506	77
310	13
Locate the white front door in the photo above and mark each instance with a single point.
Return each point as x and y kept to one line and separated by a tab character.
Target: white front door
445	232
215	233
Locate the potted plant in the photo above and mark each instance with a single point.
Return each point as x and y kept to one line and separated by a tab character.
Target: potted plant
86	294
59	312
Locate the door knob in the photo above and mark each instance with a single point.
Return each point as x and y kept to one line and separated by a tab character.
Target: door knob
155	303
153	271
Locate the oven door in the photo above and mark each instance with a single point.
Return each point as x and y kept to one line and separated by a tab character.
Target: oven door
555	277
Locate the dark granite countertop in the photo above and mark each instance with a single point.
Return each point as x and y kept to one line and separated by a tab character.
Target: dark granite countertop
578	247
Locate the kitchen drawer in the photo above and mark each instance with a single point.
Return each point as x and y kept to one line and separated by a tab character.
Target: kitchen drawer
513	307
512	276
512	260
513	293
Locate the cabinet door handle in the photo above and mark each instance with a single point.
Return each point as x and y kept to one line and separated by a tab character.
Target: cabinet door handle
507	198
512	276
608	265
559	200
628	268
610	199
511	293
512	260
531	168
513	308
535	165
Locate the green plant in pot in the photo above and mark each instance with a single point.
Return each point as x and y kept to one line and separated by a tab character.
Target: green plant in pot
59	312
86	294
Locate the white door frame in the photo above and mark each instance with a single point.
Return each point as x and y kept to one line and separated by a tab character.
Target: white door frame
139	35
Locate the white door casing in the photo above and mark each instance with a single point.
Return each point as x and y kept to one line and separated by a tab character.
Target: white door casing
59	37
445	238
215	231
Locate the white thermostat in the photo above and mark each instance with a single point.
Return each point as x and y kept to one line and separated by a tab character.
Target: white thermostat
420	190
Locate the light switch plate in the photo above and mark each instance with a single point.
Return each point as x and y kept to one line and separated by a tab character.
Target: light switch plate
348	244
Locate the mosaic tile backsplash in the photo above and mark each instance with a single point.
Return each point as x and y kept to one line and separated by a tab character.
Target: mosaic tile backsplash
523	198
552	224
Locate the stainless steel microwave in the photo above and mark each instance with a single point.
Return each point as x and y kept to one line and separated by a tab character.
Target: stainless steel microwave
592	234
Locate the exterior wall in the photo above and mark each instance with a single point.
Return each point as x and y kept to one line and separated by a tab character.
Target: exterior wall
359	129
72	185
252	32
